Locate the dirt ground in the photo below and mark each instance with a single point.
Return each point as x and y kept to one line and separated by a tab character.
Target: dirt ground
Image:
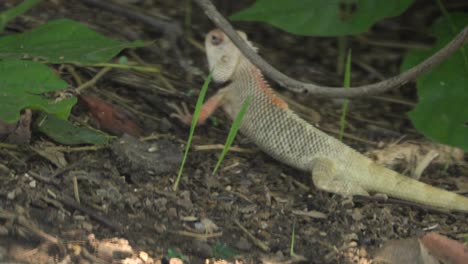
249	209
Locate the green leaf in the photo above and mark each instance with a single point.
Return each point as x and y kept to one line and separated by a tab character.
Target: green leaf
442	113
174	254
322	18
23	85
66	133
62	41
196	115
11	13
223	251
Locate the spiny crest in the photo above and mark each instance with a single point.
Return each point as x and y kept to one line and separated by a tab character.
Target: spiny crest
266	89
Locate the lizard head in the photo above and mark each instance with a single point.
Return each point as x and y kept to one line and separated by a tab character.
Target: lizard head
223	55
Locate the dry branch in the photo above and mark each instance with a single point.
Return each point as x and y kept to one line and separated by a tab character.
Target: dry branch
313	89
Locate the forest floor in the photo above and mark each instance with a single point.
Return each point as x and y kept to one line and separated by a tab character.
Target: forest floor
249	210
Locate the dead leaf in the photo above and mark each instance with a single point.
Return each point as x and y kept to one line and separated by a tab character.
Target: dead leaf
447	250
112	118
416	156
45	149
403	251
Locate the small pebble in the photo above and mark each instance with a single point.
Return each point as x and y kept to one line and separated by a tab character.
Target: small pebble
144	256
11	195
32	184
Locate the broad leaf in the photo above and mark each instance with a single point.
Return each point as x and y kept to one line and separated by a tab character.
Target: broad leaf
442	112
322	17
24	84
62	41
66	133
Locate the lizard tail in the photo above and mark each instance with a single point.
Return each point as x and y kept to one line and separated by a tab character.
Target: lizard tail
403	187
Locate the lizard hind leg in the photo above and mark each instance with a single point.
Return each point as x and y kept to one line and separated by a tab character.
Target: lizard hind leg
325	177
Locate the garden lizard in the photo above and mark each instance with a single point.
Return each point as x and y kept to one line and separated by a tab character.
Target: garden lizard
282	134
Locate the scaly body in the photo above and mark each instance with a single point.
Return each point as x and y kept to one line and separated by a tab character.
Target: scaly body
286	137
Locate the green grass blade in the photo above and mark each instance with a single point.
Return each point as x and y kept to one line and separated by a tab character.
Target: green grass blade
346	84
342	43
293	239
11	13
196	114
232	132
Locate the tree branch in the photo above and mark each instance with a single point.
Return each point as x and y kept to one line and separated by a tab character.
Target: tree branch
310	88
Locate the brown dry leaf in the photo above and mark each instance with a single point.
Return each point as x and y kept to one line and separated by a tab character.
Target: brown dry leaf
404	251
416	156
112	118
45	149
447	250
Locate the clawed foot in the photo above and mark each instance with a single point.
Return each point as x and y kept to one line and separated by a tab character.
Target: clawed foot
181	113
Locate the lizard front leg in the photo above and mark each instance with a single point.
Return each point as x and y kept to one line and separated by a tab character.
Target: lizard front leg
325	177
206	111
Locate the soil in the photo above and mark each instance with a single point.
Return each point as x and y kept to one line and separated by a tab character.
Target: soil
254	205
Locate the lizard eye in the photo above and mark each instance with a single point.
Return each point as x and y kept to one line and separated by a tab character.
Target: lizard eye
216	39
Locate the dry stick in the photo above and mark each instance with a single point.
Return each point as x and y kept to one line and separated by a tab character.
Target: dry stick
101	219
30	226
198	236
297	86
8	146
93	81
36	231
172	30
256	241
220	146
76	191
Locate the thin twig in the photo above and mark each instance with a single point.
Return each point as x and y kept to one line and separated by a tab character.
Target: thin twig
8	146
255	240
199	236
350	136
36	231
394	100
101	219
220	146
297	86
93	80
69	149
76	191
